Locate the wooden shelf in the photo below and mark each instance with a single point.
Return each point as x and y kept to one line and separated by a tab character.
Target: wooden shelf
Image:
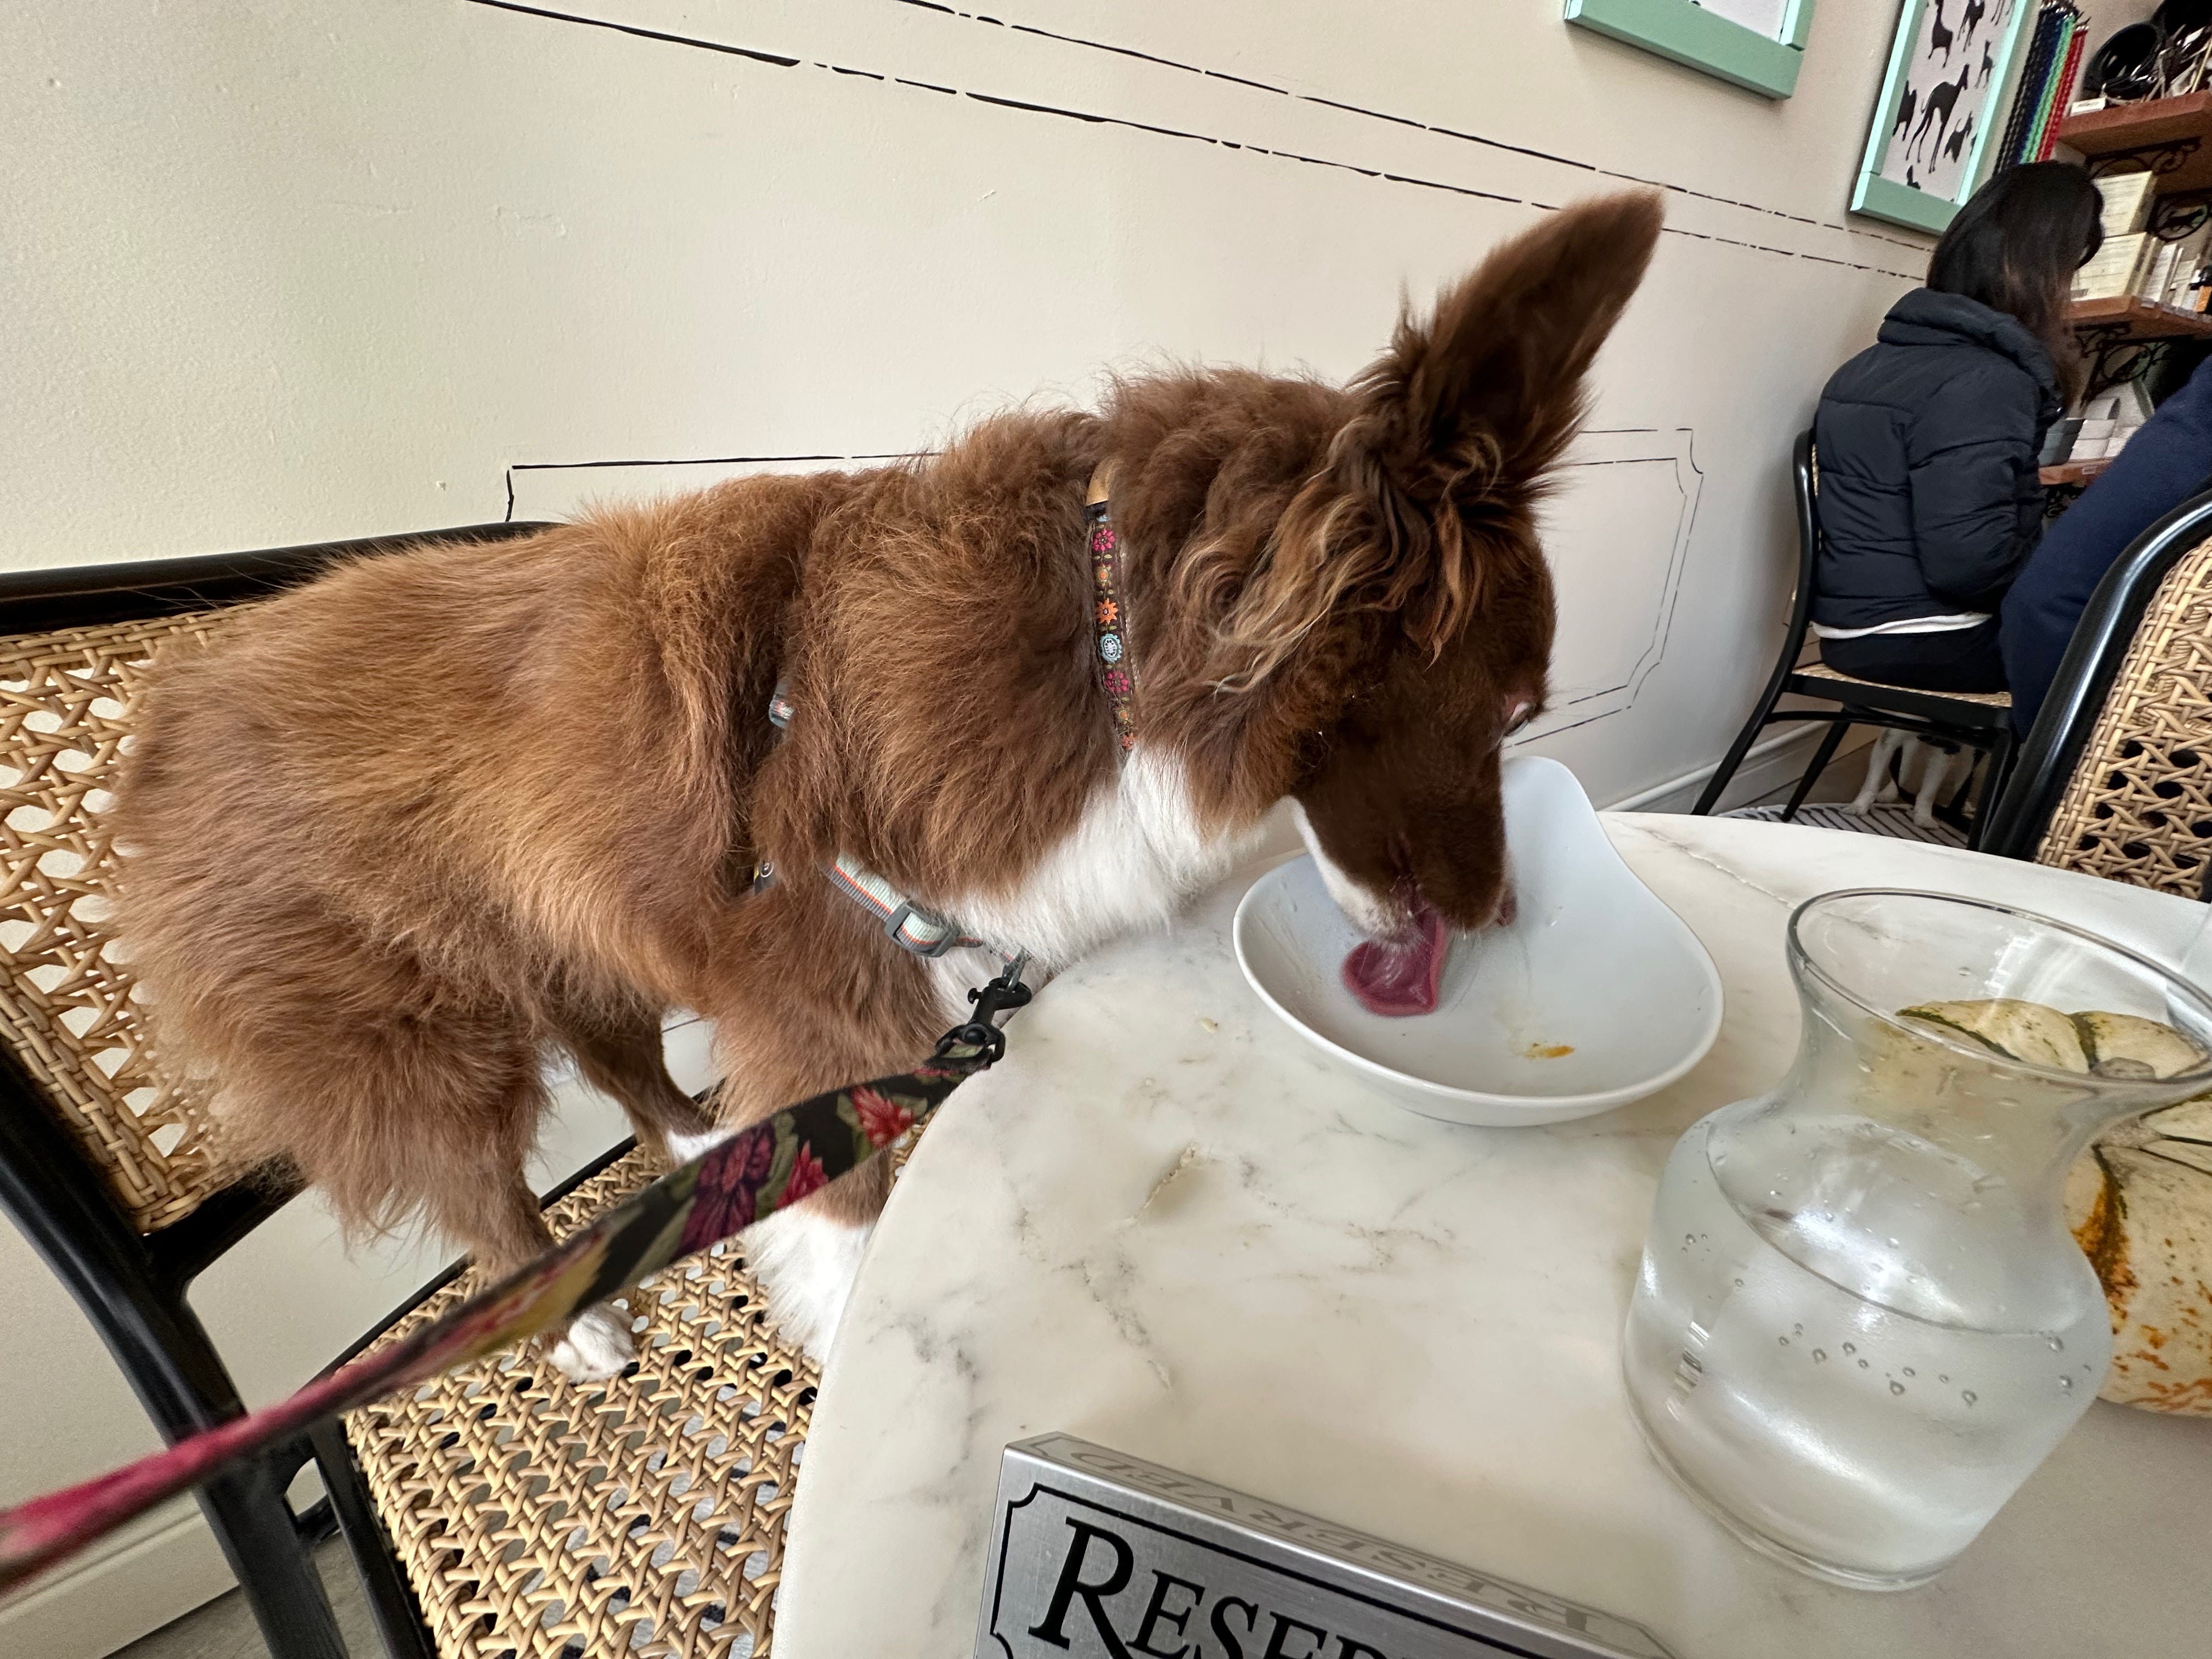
2140	320
2073	472
2156	124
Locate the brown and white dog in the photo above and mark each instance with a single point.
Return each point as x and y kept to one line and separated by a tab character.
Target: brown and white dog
402	828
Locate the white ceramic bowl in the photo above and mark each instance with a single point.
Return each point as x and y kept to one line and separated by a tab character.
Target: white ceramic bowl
1596	995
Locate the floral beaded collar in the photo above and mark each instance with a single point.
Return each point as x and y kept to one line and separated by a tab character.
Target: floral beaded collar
1110	618
911	927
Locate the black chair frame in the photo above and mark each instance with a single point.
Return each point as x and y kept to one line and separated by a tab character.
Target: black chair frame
133	1287
2095	656
1985	728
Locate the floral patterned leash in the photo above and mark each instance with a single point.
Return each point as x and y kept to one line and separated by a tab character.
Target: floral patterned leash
751	1175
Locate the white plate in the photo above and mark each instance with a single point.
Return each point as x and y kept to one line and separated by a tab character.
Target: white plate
1593	965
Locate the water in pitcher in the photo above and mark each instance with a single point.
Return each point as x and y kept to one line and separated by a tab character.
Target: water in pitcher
1801	1371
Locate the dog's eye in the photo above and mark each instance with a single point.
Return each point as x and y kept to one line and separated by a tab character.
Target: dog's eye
1519	715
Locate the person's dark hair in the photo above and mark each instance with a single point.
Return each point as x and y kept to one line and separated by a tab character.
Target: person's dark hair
2016	245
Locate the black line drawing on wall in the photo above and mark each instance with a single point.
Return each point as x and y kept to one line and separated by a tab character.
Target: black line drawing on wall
1616	530
782	61
569	485
1617	535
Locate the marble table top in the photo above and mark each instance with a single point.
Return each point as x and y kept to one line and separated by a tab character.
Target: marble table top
1165	1225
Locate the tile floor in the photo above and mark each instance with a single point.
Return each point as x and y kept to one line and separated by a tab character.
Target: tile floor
223	1628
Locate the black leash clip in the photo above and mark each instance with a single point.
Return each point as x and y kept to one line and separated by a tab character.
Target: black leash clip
1000	996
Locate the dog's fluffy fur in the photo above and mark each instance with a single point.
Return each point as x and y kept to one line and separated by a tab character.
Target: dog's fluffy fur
403	827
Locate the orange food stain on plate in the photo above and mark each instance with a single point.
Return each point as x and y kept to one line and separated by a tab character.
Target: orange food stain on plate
1547	1050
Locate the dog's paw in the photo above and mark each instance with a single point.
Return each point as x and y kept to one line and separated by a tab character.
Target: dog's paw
596	1347
806	1263
683	1148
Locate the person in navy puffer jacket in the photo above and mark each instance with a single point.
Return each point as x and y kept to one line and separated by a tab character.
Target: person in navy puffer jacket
2165	463
1926	440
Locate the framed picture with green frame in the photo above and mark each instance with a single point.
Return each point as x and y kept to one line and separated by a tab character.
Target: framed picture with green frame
1754	44
1940	110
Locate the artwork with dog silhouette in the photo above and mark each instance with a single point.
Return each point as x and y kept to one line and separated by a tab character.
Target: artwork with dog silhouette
1939	38
1969	21
1951	77
1957	146
1936	113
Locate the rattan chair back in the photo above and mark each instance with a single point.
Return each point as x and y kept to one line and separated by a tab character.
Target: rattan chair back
68	1008
2115	779
2138	807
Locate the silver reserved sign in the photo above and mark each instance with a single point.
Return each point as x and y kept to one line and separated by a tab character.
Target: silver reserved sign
1095	1555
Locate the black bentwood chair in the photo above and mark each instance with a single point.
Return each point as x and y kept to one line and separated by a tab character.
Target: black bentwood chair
2115	778
502	1510
1978	721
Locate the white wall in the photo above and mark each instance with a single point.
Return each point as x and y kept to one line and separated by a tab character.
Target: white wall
277	272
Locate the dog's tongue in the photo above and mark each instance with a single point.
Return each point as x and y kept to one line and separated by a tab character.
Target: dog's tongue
1399	976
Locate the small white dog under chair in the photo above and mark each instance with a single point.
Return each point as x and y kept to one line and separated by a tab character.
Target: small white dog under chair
1915	787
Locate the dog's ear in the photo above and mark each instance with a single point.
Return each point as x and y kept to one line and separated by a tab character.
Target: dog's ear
1443	458
1491	387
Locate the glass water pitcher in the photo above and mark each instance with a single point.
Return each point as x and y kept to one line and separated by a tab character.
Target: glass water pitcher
1861	1322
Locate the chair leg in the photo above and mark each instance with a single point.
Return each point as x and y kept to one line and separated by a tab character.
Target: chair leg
1957	804
1738	749
1821	757
391	1598
255	1526
2000	763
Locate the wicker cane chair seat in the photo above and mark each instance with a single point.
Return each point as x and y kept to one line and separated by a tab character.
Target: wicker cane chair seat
2138	807
540	1518
1821	671
533	1516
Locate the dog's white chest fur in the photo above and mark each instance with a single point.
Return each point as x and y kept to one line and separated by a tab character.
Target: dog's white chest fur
1139	853
1137	856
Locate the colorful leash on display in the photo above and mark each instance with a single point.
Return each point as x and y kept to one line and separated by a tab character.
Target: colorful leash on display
753	1174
